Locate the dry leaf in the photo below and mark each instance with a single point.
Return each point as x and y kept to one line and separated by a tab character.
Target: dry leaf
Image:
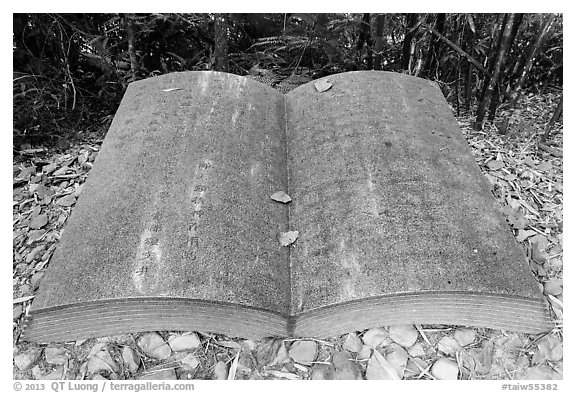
303	351
449	346
220	371
287	238
545	166
380	368
322	85
22	299
523	235
131	359
185	342
42	191
83	157
268	349
405	335
33	151
282	374
495	164
61	171
38	221
154	346
548	349
376	337
233	367
56	355
517	220
229	344
537	255
190	360
553	287
101	360
28	171
67	201
352	343
281	196
398	358
445	369
344	369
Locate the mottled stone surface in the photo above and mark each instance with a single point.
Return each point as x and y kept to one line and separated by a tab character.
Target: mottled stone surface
178	202
388	200
176	230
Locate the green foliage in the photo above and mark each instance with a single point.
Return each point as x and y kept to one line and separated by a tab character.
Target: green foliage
70	70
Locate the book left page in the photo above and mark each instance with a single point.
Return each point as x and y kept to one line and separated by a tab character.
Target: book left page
178	203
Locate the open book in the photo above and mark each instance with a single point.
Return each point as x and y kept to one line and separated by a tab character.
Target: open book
176	228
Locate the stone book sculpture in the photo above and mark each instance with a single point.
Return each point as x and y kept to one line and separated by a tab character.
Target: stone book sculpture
176	230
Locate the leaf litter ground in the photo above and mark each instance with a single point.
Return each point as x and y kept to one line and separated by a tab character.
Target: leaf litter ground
527	181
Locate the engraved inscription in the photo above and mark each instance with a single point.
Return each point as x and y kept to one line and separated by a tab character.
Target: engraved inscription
199	189
148	258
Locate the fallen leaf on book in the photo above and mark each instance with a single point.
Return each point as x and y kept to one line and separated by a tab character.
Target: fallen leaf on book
172	89
281	196
287	238
322	85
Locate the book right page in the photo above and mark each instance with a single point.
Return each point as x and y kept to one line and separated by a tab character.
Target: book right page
394	215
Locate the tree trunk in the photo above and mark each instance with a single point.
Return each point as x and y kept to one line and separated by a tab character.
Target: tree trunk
531	57
468	86
512	70
365	38
221	42
407	48
469	38
494	48
379	42
131	50
457	87
500	86
433	51
553	120
499	59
